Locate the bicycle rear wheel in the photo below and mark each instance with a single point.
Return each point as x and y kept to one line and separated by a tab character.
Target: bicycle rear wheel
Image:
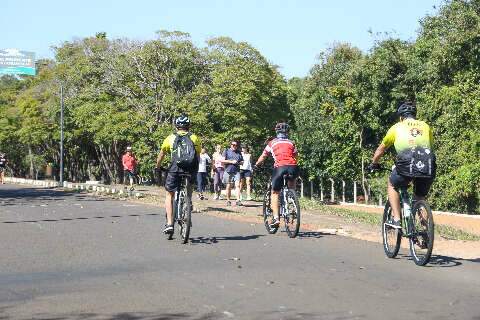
421	239
185	214
267	211
391	236
292	220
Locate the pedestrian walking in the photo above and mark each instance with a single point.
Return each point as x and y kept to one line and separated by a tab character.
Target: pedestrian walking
217	171
3	166
129	167
202	173
232	160
246	172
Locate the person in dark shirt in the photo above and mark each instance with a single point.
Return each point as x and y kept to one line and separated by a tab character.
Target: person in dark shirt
3	164
232	160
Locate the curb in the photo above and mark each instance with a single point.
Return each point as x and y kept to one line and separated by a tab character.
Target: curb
97	189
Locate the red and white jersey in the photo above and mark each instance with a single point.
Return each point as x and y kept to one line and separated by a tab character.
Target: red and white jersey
283	152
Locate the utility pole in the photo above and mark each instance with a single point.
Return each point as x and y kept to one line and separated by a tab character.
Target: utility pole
61	135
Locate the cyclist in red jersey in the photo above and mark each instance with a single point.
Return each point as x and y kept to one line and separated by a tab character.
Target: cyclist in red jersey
284	154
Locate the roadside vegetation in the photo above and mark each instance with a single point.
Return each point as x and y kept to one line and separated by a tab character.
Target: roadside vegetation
121	92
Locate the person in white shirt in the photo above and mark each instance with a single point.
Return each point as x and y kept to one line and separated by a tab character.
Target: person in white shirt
202	173
246	171
217	171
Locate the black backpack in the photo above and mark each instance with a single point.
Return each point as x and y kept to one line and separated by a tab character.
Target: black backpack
418	162
184	155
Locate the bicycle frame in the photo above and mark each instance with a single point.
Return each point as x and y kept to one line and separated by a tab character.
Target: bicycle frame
407	220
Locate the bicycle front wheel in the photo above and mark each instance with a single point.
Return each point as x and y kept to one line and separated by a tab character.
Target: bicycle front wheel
292	219
267	211
421	239
391	236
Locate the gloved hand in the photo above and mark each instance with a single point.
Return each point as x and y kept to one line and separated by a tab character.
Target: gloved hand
372	167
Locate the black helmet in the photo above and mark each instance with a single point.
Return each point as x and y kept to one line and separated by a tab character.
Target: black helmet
407	108
282	127
182	122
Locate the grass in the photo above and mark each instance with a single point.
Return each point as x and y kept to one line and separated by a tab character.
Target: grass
349	215
444	231
452	233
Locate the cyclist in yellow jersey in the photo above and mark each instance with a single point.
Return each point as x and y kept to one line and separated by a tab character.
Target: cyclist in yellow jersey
415	159
172	182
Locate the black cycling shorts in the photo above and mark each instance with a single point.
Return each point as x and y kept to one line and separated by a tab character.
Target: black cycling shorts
172	182
421	186
277	175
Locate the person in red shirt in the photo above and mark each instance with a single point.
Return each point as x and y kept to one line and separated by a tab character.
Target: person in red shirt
129	166
284	154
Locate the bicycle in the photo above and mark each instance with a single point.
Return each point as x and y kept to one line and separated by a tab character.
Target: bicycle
289	208
182	208
417	226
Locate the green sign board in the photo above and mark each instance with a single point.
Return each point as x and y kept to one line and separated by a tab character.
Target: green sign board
16	62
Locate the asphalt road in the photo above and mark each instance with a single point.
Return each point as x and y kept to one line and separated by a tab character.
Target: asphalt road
73	256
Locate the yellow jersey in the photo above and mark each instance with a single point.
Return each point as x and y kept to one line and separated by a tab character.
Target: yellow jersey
408	134
167	145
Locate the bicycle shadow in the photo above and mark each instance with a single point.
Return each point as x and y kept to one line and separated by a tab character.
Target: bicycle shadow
441	261
216	239
219	209
311	234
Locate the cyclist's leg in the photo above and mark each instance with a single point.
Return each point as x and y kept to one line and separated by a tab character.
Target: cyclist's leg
171	185
421	187
277	183
394	182
294	172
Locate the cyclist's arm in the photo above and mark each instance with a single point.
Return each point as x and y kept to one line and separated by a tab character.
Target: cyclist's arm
165	149
261	159
160	157
379	153
387	142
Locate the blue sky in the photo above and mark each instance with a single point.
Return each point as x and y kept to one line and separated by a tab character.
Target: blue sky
289	33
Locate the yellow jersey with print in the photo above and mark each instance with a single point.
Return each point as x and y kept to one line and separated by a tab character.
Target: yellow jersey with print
167	145
408	134
413	140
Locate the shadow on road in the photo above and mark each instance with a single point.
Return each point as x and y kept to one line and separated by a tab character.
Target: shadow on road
213	240
312	234
208	209
122	316
22	196
79	218
441	261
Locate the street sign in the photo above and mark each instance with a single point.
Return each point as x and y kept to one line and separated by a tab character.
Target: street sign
16	62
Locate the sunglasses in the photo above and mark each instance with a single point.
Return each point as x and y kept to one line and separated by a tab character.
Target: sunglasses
234	144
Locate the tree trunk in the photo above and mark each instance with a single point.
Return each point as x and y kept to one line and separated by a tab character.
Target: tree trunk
30	155
321	189
332	191
107	172
355	192
364	181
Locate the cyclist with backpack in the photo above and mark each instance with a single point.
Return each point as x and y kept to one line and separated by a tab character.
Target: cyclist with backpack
184	148
415	159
